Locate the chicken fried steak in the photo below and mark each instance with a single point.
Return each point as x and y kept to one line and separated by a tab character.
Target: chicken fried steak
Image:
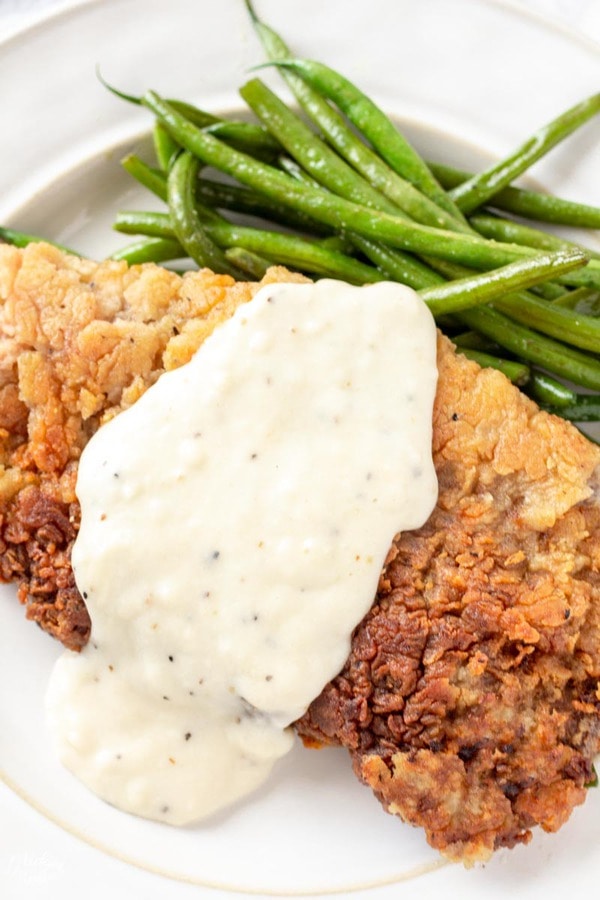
470	701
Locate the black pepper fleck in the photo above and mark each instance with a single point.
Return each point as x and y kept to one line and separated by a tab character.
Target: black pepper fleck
567	614
84	595
455	417
171	658
165	697
187	735
164	809
216	554
510	791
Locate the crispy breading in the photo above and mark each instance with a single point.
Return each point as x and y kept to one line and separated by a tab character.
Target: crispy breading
79	342
470	702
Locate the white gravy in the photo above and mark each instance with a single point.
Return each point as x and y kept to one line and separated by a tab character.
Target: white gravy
234	524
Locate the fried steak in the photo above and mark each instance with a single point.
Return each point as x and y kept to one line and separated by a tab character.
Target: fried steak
470	701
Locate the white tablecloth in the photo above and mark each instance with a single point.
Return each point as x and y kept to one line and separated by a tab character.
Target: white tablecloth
580	15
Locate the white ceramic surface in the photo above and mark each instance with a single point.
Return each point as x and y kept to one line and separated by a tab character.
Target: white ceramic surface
471	68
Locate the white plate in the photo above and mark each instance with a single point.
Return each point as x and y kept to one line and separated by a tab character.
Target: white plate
480	70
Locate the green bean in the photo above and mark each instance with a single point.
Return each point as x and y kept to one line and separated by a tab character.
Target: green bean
549	391
477	190
21	239
585	409
165	148
472	340
296	252
341	213
552	291
526	203
150	249
559	322
148	177
511	232
327	168
188	228
250	263
150	224
334	128
291	168
374	125
516	372
324	166
333	173
243	200
284	249
338	242
493	286
199	117
535	348
584	300
309	151
246	136
568	329
398	266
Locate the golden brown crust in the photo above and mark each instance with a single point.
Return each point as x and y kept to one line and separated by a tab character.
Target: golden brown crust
470	701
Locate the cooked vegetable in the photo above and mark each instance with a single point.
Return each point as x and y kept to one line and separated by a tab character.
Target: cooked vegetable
586	409
549	391
187	225
527	203
478	189
517	372
375	126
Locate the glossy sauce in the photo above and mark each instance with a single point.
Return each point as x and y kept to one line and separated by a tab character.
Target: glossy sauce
234	525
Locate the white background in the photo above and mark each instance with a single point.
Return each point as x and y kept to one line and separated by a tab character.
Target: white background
580	15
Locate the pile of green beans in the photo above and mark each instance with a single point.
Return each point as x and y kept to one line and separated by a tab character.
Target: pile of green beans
342	193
